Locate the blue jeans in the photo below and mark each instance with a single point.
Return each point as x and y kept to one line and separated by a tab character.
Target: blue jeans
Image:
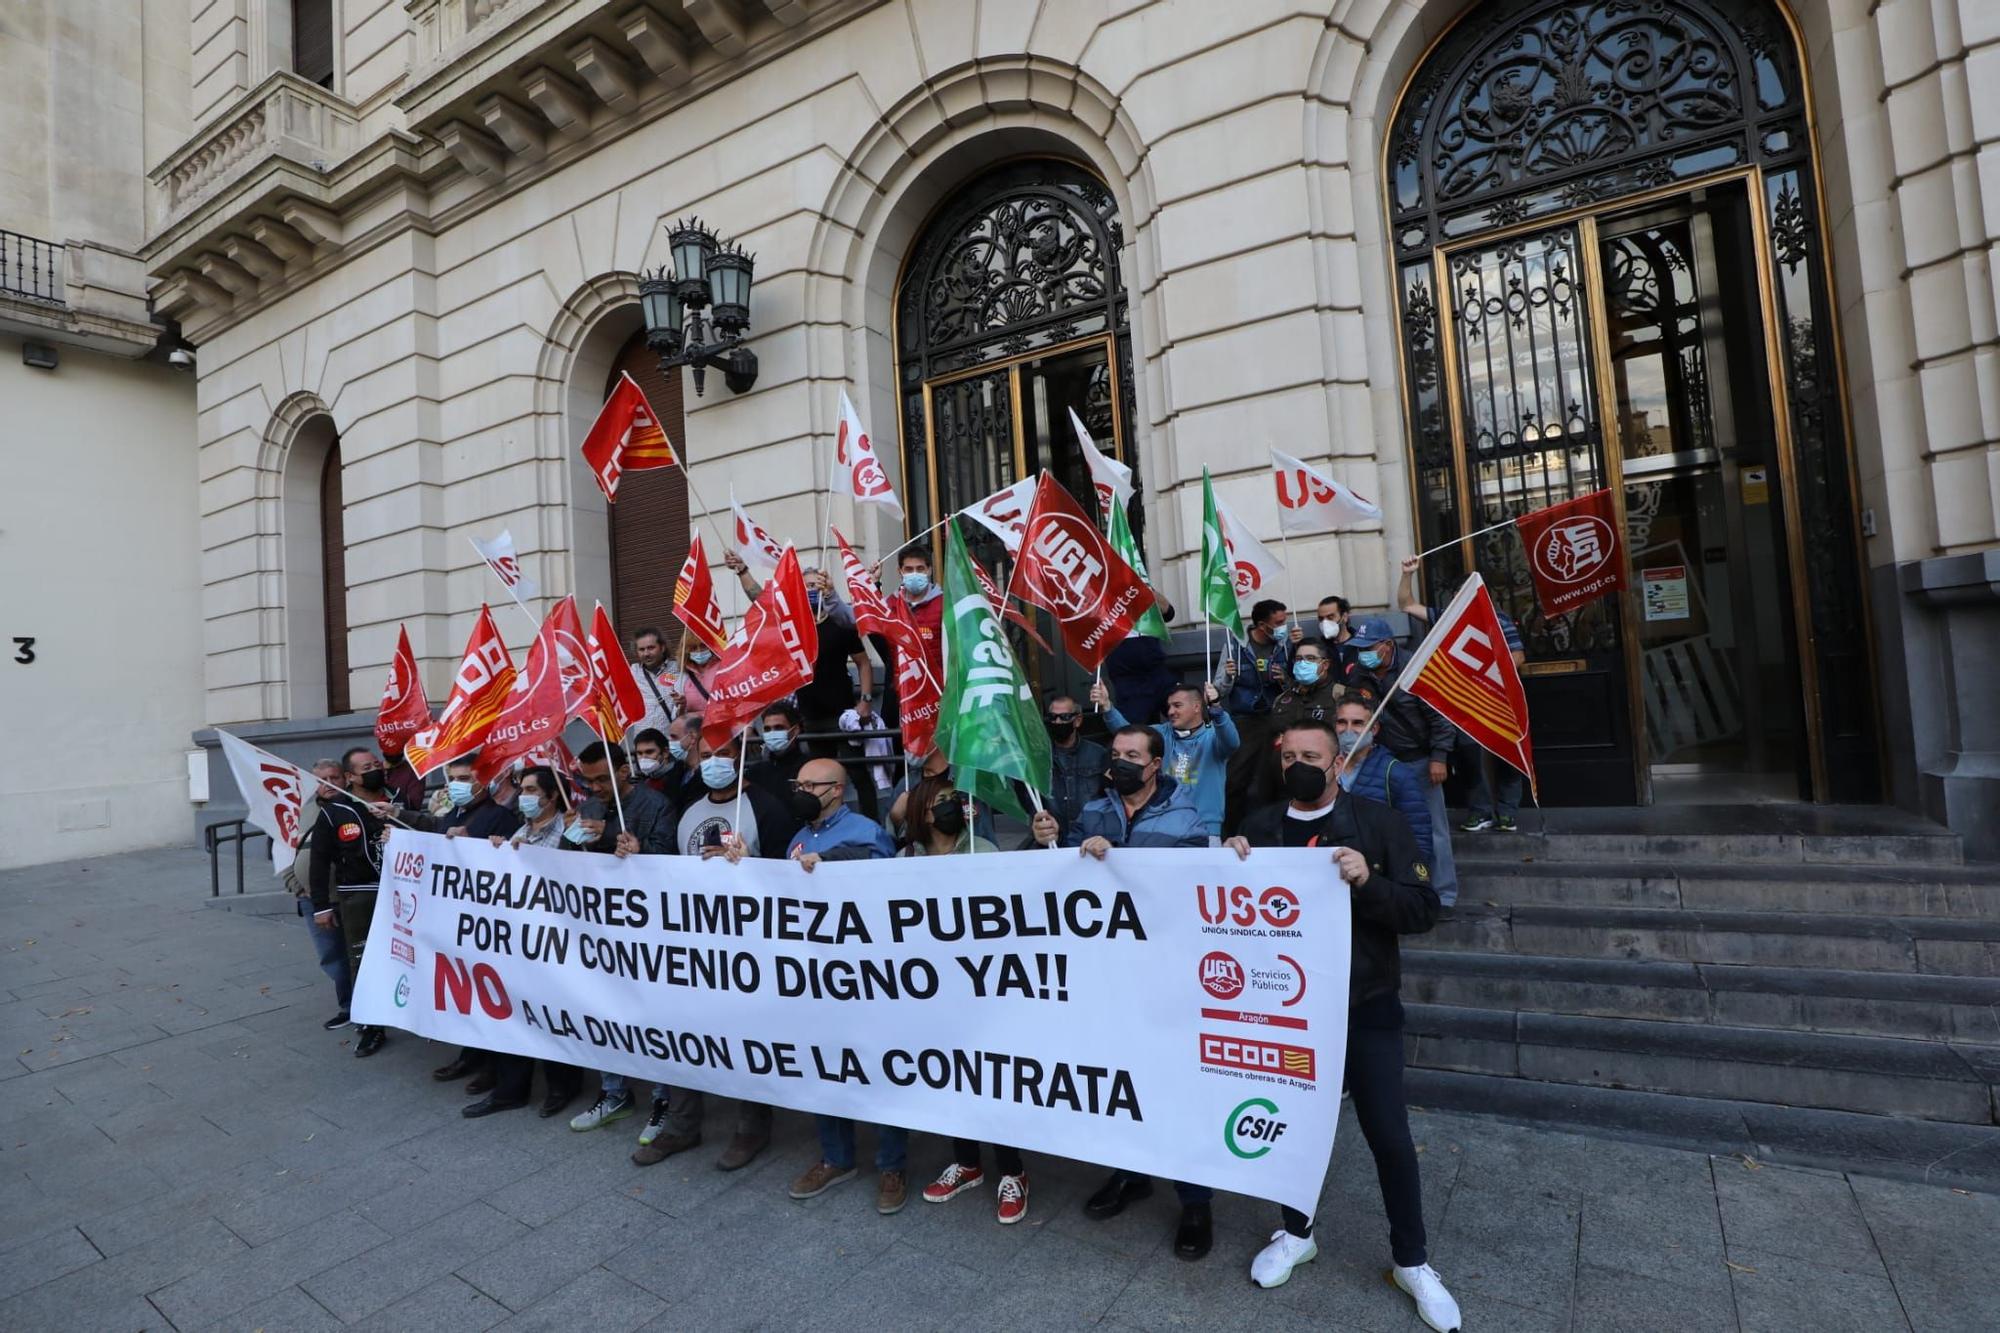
614	1085
836	1144
1479	800
1444	874
331	949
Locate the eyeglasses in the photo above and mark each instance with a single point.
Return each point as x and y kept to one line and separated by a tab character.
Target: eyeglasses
1062	717
800	784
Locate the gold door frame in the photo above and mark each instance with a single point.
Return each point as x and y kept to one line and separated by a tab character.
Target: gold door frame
1584	219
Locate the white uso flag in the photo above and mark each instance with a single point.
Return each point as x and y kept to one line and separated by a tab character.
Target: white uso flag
506	566
1311	501
1253	567
274	791
1005	512
758	548
1172	1011
856	469
1112	478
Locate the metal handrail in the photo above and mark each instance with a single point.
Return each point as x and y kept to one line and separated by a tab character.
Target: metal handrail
238	831
31	267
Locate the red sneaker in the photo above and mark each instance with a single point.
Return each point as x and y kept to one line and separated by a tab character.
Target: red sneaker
953	1181
1013	1198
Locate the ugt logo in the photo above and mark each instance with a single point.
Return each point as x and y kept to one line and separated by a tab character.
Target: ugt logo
1276	907
1246	1126
1073	576
1573	550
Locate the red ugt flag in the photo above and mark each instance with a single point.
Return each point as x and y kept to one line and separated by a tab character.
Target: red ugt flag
1463	670
694	598
534	713
626	437
1573	551
770	655
918	692
404	711
1068	570
615	701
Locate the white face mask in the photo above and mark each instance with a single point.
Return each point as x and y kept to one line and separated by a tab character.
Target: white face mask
1329	629
649	764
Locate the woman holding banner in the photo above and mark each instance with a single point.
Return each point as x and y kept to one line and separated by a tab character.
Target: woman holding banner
938	827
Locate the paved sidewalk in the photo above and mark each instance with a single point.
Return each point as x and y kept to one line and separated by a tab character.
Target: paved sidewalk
181	1146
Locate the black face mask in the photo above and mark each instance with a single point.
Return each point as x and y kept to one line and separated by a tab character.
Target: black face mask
805	806
1060	727
948	819
378	780
1125	776
1305	782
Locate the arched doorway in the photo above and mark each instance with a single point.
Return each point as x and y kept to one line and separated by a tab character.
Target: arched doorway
648	526
315	555
1610	262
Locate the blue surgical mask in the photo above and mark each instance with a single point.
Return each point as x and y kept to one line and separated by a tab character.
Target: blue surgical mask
718	771
531	805
460	791
700	656
812	599
1350	741
916	584
1305	671
1369	657
776	739
678	750
576	833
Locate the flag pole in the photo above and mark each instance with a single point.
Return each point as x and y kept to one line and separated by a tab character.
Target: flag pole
533	623
742	762
617	801
877	571
1291	577
1446	546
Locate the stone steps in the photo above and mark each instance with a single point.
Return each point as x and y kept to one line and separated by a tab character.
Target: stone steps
1656	849
1905	889
1873	1075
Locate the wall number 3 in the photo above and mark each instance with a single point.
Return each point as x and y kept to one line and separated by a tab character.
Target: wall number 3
24	650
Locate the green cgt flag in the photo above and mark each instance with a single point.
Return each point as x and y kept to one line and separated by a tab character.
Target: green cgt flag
1218	581
988	726
1128	550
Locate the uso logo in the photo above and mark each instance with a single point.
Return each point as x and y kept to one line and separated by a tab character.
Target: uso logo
408	865
1221	976
1276	907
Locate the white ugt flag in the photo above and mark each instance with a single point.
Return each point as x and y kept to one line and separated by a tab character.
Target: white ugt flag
1311	501
758	548
506	566
275	791
856	469
1112	478
1253	567
1005	512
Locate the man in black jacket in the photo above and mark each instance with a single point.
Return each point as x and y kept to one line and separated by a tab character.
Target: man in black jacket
1376	863
1412	731
347	862
1076	765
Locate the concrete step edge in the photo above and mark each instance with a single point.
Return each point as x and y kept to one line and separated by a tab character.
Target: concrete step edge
1916	987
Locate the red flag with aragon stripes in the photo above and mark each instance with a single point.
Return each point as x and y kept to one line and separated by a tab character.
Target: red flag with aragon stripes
1463	670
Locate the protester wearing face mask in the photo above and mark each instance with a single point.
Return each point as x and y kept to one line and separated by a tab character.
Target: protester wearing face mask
1253	776
1076	765
1333	617
680	782
1412	732
925	603
1257	668
1368	770
1199	740
784	753
649	760
1144	807
347	863
1376	867
935	765
473	813
328	945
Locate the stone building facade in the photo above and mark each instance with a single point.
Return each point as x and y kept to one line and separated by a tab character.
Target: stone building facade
424	263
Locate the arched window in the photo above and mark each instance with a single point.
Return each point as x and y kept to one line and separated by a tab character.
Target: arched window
1610	266
333	581
649	523
315	563
1010	313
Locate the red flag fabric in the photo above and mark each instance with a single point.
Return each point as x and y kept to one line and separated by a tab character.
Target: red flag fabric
404	711
1070	571
1573	551
694	598
534	713
615	701
770	655
1003	608
479	691
1463	670
918	692
626	437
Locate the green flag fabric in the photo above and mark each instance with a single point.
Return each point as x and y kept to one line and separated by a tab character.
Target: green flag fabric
1128	550
988	726
1218	581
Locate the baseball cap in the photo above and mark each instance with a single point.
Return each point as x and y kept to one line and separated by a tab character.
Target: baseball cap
1369	629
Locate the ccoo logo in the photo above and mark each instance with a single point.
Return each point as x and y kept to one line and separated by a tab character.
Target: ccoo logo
1251	1135
1221	976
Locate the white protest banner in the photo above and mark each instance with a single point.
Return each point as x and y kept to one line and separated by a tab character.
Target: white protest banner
1177	1012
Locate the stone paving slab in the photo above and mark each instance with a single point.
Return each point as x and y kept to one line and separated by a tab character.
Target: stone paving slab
182	1147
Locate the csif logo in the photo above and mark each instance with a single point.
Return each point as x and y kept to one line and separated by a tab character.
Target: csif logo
1245	1126
403	991
1276	907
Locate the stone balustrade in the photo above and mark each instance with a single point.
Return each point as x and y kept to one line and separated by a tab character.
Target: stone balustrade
284	116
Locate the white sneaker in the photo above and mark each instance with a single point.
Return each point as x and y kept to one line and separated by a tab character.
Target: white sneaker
1434	1304
1274	1263
655	1123
603	1111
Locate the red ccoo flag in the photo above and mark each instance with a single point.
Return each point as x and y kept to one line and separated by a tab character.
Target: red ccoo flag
1573	551
404	711
615	701
479	692
626	437
770	655
1068	570
554	688
694	598
918	692
1463	670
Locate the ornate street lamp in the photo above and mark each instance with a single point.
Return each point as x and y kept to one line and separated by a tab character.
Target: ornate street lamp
705	275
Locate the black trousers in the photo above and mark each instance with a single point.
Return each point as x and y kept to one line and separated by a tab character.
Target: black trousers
1375	1077
1006	1160
514	1076
356	908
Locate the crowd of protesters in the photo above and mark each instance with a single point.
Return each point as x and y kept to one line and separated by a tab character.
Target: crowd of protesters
1289	745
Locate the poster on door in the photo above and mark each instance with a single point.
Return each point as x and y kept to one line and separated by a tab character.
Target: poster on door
1664	592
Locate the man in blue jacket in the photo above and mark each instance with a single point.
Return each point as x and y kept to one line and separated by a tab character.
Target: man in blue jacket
1366	769
1198	745
1144	808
